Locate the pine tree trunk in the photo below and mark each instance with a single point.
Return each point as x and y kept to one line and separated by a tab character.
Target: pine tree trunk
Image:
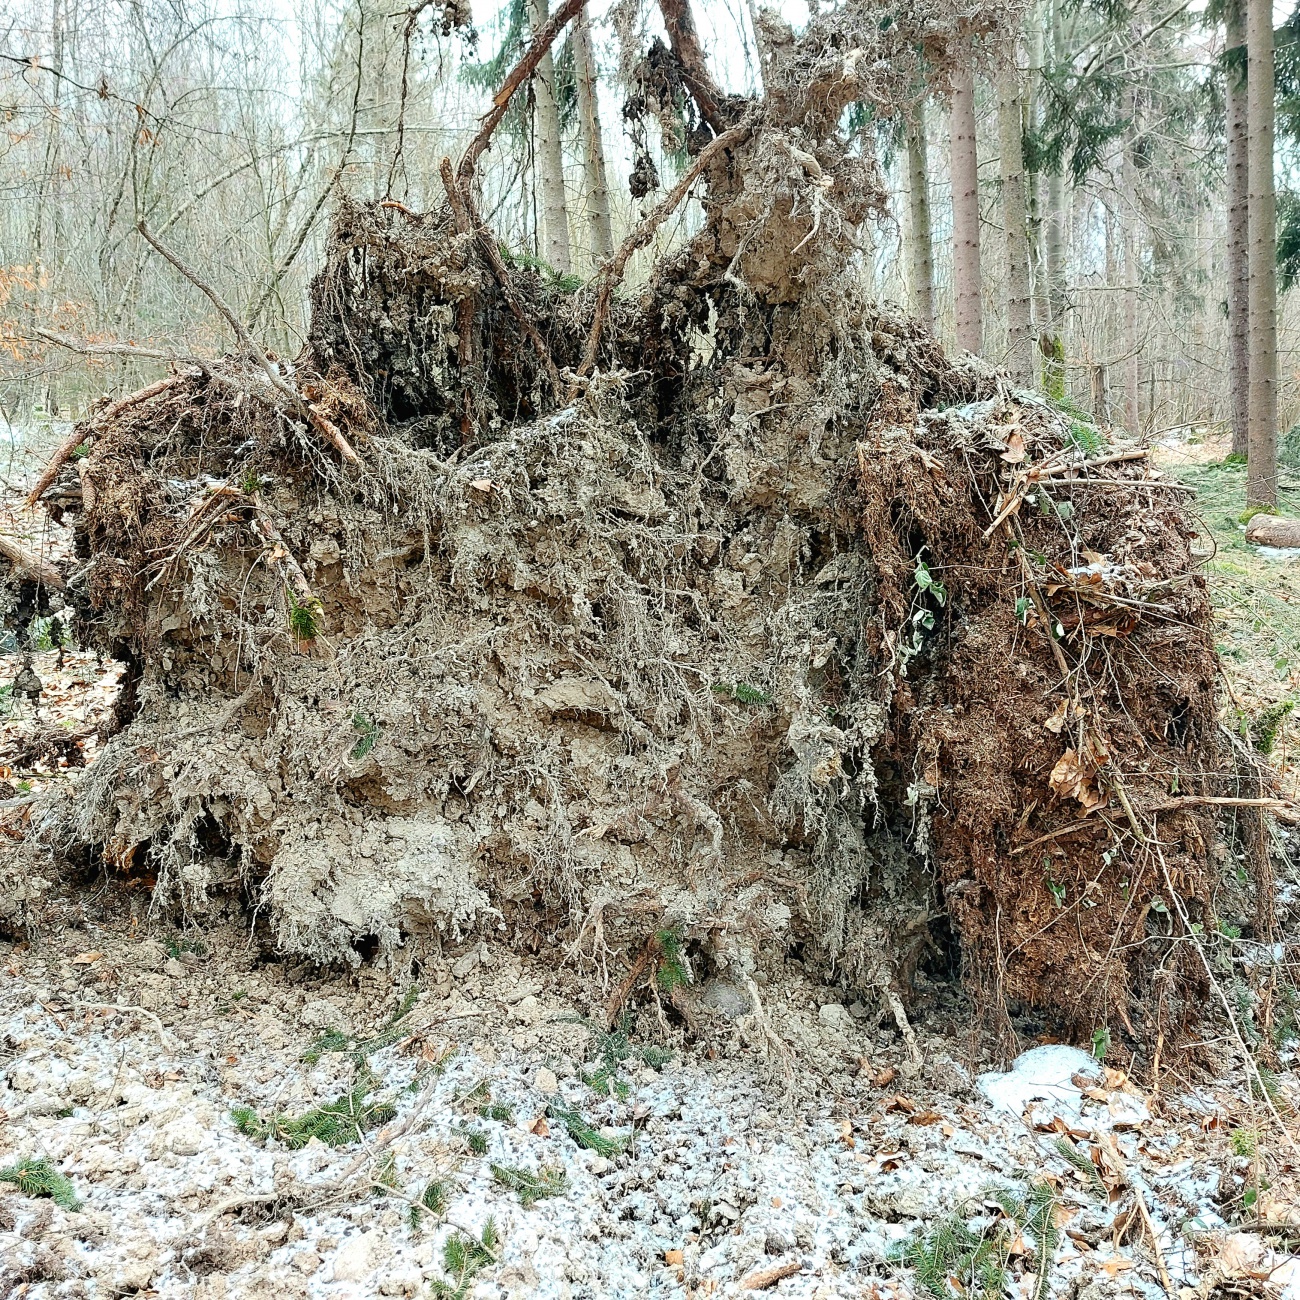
1238	226
1020	356
1261	474
922	249
1132	274
1033	179
550	156
965	212
600	240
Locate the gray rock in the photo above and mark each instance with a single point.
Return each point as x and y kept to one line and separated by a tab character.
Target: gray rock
726	998
835	1015
320	1013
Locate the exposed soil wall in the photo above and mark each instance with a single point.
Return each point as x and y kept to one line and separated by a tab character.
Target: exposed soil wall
773	629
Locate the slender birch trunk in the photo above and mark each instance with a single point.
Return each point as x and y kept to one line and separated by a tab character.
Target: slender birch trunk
550	156
600	241
1020	330
1261	473
922	242
1238	226
966	213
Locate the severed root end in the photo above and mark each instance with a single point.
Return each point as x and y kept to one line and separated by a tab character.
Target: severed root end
895	1004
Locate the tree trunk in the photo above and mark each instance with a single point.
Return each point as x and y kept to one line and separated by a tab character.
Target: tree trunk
965	212
1033	179
550	155
1020	356
1238	226
922	250
1132	273
600	242
1261	475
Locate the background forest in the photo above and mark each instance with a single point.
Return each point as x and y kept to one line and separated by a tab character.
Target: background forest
229	127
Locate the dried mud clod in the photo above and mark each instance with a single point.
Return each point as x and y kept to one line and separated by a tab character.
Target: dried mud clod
777	629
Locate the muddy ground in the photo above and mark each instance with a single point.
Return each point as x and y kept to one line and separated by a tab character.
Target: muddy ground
128	1052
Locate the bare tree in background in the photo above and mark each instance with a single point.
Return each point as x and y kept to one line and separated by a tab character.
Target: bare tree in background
1261	473
922	235
1020	329
550	155
600	243
1238	220
967	280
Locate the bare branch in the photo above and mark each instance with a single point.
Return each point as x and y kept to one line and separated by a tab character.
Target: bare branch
612	272
520	73
241	333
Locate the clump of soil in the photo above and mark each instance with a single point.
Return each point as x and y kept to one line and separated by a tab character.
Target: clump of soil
772	630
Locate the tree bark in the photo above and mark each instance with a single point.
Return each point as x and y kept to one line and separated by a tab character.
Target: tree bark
922	249
600	242
1261	474
550	154
1020	357
1132	273
966	212
1238	225
1033	180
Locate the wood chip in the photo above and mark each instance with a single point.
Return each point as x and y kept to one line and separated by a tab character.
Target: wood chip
767	1277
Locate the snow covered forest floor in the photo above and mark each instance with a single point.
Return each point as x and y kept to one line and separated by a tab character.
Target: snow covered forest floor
188	1114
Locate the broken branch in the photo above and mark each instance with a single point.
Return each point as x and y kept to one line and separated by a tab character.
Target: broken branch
766	1277
32	565
685	42
612	272
520	73
74	440
332	432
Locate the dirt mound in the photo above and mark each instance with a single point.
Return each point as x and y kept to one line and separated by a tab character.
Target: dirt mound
720	621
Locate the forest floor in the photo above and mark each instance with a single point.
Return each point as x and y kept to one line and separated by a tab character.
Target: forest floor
198	1117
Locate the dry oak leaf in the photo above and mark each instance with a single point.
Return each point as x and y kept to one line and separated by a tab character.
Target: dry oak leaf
1071	778
1015	451
85	958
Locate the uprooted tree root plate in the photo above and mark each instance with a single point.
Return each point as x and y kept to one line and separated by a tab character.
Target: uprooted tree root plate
731	612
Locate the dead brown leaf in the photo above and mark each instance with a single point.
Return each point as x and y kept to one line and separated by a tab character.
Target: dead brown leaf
1071	778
